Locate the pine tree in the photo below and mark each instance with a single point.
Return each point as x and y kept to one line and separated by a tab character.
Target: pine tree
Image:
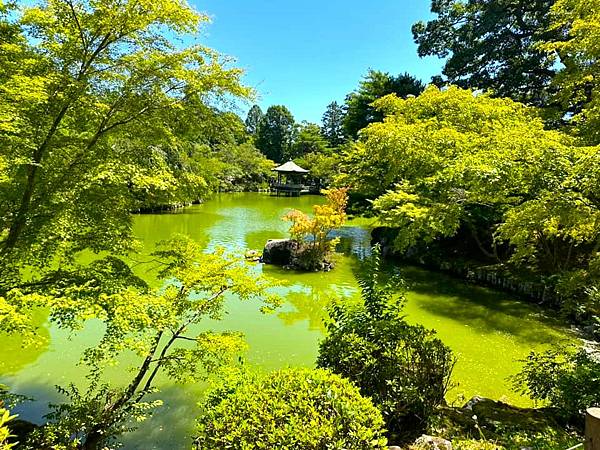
255	115
333	127
275	133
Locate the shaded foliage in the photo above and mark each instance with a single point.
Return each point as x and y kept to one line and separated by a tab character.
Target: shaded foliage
359	111
332	127
404	368
492	45
276	133
253	119
568	380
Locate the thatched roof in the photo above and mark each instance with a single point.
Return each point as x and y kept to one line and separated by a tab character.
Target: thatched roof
290	167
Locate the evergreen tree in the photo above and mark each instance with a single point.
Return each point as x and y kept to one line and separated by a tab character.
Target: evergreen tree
492	45
360	113
276	133
253	119
333	124
308	139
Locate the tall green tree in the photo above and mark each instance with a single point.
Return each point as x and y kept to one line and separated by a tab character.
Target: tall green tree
307	139
156	327
577	48
454	161
86	111
253	119
276	133
332	127
375	85
492	44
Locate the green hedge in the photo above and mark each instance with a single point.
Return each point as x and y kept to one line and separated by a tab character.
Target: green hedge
291	408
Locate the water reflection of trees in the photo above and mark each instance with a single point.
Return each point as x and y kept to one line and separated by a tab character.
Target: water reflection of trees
311	305
14	355
354	241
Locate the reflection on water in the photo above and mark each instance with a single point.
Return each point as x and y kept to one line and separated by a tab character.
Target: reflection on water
14	356
489	331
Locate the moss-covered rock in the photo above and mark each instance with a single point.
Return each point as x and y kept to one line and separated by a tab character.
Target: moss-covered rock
504	426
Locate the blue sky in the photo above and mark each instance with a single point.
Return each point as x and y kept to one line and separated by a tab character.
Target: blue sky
305	54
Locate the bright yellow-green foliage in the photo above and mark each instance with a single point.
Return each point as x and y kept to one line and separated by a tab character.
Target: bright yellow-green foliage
291	408
156	325
445	152
422	135
579	53
456	160
91	95
5	417
313	232
474	444
321	165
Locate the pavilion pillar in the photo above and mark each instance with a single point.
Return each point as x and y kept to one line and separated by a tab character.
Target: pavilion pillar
592	429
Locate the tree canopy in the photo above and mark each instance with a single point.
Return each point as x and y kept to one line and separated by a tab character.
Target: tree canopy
492	45
255	115
332	127
82	79
319	410
276	133
454	159
307	139
151	324
578	51
359	109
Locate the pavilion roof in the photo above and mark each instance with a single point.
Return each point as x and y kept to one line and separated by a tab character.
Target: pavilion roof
290	167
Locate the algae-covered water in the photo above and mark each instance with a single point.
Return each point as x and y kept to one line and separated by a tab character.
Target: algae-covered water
489	331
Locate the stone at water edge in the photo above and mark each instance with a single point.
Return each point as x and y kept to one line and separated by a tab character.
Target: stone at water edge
279	251
432	443
253	255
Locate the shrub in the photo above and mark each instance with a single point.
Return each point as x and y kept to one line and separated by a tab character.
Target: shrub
313	233
475	444
568	381
290	408
404	368
5	417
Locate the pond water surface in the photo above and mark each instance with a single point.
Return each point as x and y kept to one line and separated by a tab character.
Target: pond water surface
489	331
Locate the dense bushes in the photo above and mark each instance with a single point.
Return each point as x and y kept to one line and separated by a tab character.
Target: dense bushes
291	408
404	368
454	162
569	382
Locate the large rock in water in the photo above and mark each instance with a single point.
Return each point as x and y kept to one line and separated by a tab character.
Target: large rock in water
279	251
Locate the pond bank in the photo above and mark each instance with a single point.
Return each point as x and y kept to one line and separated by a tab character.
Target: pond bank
496	276
489	331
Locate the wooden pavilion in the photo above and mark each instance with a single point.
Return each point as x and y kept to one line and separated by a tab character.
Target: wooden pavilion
290	180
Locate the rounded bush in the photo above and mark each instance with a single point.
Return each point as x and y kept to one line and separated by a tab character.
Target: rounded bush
291	408
403	368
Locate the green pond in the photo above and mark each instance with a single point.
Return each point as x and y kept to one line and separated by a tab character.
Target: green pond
489	331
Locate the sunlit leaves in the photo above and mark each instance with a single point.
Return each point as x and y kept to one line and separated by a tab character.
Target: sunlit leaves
92	94
578	50
291	408
314	231
159	327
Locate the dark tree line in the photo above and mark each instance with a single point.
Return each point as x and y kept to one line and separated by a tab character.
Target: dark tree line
279	137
